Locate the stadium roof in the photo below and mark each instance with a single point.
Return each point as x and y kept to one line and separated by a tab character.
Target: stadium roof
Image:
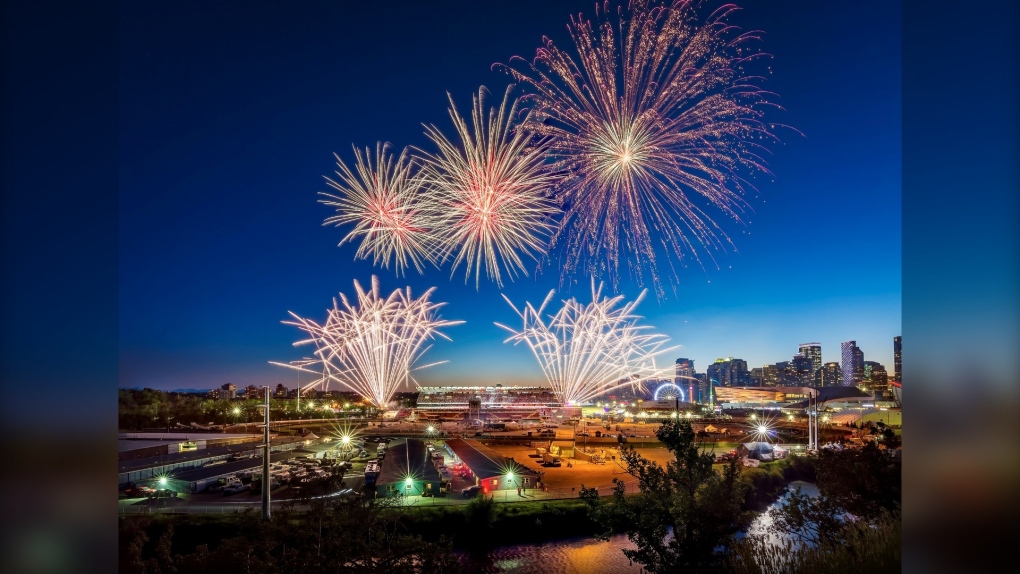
826	394
483	461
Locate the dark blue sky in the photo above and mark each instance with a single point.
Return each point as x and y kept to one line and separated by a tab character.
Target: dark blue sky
230	115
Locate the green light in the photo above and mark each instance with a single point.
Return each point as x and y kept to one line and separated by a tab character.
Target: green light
509	476
237	411
162	481
408	481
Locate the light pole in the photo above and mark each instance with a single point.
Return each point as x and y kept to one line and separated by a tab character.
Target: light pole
265	463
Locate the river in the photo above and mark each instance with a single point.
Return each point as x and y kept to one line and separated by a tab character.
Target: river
585	555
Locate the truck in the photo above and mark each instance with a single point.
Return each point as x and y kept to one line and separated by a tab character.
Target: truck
551	460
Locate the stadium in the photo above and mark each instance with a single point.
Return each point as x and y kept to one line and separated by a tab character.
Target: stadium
491	404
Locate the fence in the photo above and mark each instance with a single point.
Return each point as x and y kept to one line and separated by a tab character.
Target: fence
454	499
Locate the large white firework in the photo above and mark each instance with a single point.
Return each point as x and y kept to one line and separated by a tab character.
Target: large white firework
653	125
490	189
372	345
381	199
589	350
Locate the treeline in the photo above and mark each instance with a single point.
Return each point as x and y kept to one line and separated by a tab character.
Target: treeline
153	409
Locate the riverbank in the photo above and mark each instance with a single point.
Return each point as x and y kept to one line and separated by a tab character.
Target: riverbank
477	528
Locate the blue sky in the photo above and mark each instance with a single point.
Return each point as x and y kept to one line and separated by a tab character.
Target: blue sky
229	120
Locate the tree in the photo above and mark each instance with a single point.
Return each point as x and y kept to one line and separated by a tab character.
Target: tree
855	485
683	513
336	535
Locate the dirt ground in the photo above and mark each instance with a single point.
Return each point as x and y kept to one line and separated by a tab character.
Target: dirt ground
580	472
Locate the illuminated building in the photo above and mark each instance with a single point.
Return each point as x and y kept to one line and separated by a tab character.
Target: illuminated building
407	469
729	372
802	370
685	379
813	351
227	392
832	375
508	403
876	379
489	469
853	364
897	345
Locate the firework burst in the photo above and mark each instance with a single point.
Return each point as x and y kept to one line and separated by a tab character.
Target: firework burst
491	190
653	125
588	350
381	199
372	345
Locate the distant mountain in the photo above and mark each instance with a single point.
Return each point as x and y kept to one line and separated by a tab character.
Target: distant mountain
192	391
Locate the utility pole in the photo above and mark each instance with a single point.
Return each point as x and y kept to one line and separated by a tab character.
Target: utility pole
265	463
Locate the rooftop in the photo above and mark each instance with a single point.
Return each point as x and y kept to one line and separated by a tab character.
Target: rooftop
483	461
407	458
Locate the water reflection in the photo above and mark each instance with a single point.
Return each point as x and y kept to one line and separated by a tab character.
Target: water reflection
576	556
763	522
585	555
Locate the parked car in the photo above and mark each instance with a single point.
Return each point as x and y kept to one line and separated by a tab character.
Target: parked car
235	488
138	491
471	491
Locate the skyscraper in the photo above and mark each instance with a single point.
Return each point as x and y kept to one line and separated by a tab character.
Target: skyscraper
729	372
813	351
685	379
853	364
832	376
875	377
897	347
684	368
802	370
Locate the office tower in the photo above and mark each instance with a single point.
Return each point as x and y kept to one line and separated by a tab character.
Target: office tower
803	370
853	364
897	346
729	372
813	351
876	379
684	370
684	378
832	376
757	377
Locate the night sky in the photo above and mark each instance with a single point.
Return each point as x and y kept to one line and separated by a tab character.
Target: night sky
230	114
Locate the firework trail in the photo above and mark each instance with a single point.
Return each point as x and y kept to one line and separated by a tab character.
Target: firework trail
653	125
381	199
370	346
588	350
490	189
